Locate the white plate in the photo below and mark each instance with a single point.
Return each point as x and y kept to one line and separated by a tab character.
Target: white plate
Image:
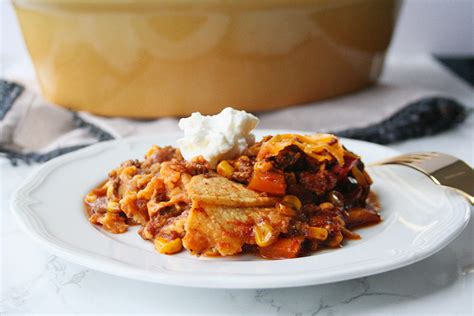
419	218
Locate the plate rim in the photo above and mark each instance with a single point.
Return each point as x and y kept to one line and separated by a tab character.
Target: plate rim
21	203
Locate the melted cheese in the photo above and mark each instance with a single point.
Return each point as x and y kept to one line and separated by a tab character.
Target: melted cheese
322	147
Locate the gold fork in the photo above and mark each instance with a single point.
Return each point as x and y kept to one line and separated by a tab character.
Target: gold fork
443	169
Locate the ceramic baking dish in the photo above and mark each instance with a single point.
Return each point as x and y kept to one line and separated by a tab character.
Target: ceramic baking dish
154	58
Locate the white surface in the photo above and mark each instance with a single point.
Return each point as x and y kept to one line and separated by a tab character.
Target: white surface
436	26
419	218
33	280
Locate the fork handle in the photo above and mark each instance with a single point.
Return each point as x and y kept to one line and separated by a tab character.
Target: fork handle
456	177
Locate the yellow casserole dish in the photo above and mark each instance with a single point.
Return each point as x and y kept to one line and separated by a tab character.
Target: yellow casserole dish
147	59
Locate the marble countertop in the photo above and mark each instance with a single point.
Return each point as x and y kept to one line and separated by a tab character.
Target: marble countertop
32	280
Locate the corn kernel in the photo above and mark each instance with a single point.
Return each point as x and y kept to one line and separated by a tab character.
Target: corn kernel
225	169
264	235
263	166
151	151
318	233
168	247
326	206
292	201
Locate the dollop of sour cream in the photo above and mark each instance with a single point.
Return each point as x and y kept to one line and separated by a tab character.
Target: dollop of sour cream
217	137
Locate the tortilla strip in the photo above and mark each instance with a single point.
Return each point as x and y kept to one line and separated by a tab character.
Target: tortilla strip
223	230
222	191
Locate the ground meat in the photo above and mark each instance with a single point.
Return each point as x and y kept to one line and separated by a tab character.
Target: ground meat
312	164
130	163
198	165
163	154
328	221
287	158
98	206
159	195
294	188
154	225
115	184
317	182
243	169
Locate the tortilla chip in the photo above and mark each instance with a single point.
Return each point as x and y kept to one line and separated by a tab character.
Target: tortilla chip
223	230
222	191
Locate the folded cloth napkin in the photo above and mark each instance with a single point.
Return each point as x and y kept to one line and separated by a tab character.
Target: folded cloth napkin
32	129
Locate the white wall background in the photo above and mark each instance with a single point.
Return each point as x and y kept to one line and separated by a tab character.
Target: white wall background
436	26
425	26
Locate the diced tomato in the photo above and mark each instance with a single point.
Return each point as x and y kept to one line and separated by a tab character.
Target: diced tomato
283	248
270	182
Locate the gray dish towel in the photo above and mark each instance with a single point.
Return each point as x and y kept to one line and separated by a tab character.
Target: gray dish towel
34	130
